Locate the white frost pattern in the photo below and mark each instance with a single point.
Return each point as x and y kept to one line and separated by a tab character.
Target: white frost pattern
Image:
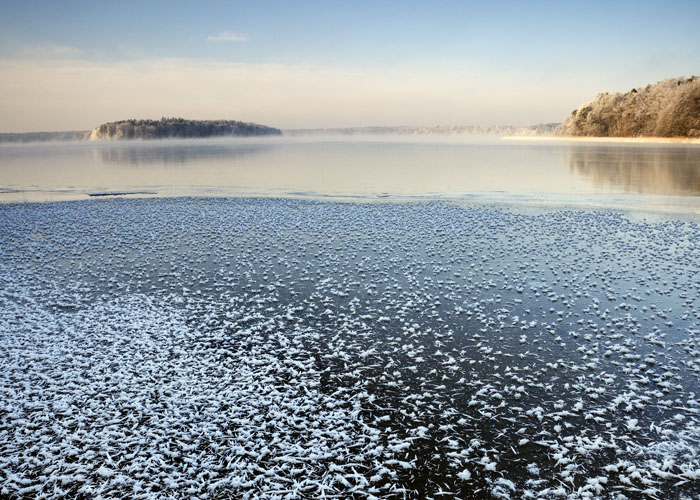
290	349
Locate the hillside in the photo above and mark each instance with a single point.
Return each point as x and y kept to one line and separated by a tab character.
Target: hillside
670	108
177	127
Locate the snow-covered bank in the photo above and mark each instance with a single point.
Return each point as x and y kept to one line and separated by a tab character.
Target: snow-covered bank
266	348
622	140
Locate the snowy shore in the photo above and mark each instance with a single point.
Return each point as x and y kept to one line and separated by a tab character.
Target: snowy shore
621	140
281	348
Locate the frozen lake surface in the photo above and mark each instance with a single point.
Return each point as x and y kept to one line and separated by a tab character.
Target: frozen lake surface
281	348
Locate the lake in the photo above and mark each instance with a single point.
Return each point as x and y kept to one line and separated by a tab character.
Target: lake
359	318
655	176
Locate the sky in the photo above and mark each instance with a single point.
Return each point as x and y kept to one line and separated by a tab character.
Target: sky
72	65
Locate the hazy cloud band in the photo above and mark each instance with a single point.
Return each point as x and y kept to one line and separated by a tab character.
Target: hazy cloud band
73	94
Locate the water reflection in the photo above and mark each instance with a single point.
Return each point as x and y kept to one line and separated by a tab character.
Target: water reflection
645	170
173	153
342	167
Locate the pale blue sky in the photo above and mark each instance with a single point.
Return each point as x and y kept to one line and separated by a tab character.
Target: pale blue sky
450	62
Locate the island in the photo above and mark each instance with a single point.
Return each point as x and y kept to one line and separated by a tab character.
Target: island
670	108
177	128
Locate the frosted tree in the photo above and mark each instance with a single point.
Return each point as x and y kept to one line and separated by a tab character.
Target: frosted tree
670	108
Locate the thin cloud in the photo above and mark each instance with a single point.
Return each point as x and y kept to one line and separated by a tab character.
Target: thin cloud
50	50
72	94
228	36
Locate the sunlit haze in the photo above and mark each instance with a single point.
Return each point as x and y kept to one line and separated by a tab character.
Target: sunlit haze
73	65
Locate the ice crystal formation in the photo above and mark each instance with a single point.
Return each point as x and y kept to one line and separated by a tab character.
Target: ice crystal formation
261	348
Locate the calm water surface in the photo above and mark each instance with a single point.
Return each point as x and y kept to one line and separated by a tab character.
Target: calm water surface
660	175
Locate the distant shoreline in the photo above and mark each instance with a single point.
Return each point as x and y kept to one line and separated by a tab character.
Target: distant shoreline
53	136
636	140
180	128
81	136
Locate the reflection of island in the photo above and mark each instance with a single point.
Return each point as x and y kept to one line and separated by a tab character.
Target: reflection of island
648	170
173	153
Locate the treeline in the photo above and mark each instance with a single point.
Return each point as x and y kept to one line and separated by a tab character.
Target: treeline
177	127
670	108
528	130
73	135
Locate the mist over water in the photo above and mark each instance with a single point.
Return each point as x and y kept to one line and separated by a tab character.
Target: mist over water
358	167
